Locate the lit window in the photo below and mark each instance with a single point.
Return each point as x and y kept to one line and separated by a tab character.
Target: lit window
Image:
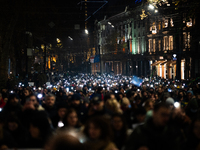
188	40
154	45
154	30
170	42
165	23
166	43
139	48
172	22
189	24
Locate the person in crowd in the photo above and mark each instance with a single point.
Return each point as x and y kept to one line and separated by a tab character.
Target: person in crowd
5	99
119	97
60	97
181	98
40	130
157	99
99	134
79	107
71	120
2	102
6	139
113	106
97	108
190	95
64	141
26	92
50	106
193	137
120	130
192	109
170	101
33	98
12	106
155	134
86	101
17	130
28	111
139	117
57	121
125	104
160	93
148	105
145	96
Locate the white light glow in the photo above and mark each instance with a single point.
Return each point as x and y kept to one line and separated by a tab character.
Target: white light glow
151	6
60	124
176	104
39	96
86	31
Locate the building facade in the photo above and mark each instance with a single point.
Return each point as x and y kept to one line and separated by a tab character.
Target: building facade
155	41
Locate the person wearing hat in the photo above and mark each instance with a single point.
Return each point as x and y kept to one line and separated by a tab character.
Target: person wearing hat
192	108
170	101
97	107
61	112
79	107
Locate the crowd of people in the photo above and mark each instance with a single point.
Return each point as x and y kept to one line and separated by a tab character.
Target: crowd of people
102	112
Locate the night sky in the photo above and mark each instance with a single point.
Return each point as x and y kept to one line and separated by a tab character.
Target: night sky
36	16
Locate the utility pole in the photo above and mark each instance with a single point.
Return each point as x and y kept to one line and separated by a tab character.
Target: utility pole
179	47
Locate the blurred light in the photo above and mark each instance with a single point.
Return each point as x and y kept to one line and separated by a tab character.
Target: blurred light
151	6
58	40
39	96
156	11
112	26
70	37
60	124
176	104
109	23
86	31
